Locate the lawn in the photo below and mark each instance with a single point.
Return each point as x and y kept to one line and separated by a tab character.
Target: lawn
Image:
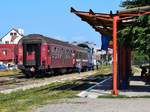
105	69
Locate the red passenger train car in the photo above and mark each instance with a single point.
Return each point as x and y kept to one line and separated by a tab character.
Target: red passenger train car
39	54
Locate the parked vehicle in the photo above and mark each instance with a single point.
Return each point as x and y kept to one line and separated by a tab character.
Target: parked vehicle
3	67
38	54
12	67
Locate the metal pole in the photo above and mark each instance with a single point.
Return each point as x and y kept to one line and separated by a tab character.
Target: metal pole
115	89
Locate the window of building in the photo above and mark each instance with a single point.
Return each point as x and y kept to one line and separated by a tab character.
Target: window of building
6	42
15	34
11	34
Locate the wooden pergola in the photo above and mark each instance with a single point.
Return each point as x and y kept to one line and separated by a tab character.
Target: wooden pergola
107	24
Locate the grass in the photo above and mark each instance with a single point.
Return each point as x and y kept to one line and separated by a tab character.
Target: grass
135	69
21	101
9	72
104	70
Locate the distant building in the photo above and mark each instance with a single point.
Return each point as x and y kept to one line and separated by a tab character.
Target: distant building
12	37
92	49
8	53
106	56
8	46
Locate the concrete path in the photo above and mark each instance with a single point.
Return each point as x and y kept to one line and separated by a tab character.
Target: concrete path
96	105
102	88
138	88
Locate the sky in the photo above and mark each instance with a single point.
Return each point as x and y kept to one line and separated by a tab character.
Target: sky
52	18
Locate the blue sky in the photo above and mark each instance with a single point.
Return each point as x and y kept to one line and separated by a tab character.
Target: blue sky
53	18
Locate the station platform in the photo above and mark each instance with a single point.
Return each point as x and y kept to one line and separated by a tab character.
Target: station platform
137	88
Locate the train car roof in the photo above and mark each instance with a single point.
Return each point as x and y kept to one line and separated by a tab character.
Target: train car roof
32	37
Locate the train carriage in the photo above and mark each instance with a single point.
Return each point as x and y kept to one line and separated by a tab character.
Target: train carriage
37	53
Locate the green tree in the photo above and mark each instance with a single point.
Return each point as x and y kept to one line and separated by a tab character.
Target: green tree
137	36
135	3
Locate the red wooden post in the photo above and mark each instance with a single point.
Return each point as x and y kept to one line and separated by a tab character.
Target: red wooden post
115	89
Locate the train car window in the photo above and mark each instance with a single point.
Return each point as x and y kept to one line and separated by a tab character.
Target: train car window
80	55
58	51
76	54
49	50
4	52
30	49
61	51
53	56
53	48
70	53
84	55
66	53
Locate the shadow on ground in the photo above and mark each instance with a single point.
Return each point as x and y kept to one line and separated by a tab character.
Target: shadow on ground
84	84
139	84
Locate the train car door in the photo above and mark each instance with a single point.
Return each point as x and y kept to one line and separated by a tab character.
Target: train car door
31	54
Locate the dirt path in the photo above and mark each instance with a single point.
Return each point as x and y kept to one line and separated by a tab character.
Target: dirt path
96	105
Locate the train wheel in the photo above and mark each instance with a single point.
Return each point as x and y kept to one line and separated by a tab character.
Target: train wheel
38	74
27	76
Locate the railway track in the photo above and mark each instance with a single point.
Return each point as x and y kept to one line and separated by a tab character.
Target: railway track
11	79
22	83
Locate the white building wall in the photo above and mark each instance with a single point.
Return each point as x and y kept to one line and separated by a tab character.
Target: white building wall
8	37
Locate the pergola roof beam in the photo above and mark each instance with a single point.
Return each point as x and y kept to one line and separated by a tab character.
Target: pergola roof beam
135	10
97	20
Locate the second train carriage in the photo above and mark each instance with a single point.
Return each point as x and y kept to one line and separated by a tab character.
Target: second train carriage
37	53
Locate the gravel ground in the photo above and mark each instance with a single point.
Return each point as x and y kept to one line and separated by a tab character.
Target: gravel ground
96	105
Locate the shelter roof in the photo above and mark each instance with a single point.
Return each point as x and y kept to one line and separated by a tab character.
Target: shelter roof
103	22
